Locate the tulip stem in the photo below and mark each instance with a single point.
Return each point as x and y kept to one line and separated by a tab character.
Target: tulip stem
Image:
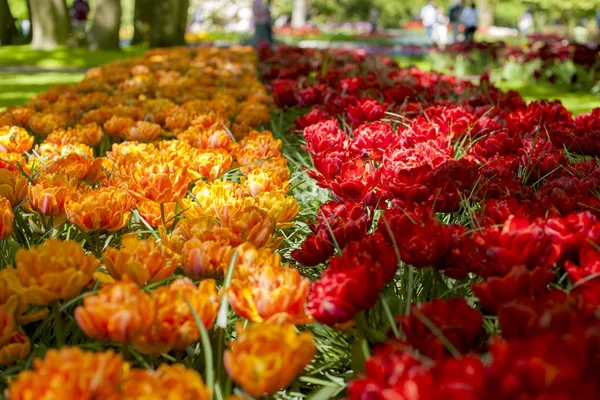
59	324
162	215
209	374
125	351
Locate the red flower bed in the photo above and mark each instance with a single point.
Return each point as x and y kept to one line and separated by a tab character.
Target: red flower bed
468	184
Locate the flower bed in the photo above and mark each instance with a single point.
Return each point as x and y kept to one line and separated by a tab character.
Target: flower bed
145	223
490	206
125	198
552	60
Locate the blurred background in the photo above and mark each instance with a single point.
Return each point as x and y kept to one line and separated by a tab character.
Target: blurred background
43	42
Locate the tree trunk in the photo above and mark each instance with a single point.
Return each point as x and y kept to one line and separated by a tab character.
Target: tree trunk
486	12
299	14
6	24
168	23
104	33
142	21
50	24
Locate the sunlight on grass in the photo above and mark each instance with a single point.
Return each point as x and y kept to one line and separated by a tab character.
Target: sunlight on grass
577	103
63	57
17	89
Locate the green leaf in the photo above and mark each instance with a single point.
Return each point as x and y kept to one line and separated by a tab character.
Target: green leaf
325	392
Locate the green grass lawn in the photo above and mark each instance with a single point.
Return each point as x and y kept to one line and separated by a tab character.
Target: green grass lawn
578	102
18	87
63	57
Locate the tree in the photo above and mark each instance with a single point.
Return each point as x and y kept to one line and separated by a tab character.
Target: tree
104	33
168	23
486	12
50	23
160	22
299	14
7	24
142	21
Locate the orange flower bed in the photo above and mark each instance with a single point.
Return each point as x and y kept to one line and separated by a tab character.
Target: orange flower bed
117	192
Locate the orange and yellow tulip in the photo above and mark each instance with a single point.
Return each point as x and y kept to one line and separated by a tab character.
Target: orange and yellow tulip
56	270
174	326
267	357
17	347
103	208
270	294
167	382
142	261
206	258
6	218
12	186
119	312
14	139
70	374
159	181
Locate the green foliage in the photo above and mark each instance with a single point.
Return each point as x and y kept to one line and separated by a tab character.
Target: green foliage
566	8
18	8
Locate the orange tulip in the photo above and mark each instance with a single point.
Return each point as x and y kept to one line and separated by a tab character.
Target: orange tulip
118	126
44	124
250	258
206	258
19	115
259	181
13	186
18	347
252	225
51	151
185	230
270	293
275	164
55	270
283	209
119	312
6	218
49	195
143	261
167	382
159	181
211	165
203	138
150	211
103	208
143	131
174	326
14	139
90	134
267	357
7	320
71	374
12	292
76	166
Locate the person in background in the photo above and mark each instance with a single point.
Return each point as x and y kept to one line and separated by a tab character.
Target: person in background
374	19
525	22
428	17
469	16
454	17
270	24
261	15
440	29
79	13
25	27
